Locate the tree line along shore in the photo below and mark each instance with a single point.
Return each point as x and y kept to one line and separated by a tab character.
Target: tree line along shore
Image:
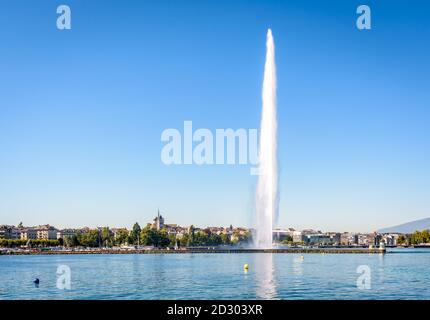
147	236
160	239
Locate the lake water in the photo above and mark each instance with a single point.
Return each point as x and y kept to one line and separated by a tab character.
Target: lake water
403	274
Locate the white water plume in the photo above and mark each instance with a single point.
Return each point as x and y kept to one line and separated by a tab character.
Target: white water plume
267	187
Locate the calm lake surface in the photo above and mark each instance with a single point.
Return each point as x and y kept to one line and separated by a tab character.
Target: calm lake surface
403	274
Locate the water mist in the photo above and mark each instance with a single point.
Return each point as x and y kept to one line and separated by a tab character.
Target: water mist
267	187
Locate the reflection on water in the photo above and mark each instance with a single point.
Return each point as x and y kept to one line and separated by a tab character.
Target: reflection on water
381	267
266	287
297	266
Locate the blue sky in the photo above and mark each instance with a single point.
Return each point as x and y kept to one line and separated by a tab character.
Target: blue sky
82	111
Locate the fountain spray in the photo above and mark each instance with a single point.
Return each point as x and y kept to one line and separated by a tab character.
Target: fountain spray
267	200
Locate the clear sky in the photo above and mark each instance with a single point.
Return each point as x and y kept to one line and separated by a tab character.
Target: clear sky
82	111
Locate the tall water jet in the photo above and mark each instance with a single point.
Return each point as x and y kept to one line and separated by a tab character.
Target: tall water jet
267	186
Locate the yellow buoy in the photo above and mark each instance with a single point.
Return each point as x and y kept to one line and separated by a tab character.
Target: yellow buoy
245	267
301	257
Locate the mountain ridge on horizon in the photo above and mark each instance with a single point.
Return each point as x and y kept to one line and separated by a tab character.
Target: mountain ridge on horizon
408	227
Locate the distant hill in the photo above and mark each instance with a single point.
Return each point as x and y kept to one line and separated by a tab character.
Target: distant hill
408	227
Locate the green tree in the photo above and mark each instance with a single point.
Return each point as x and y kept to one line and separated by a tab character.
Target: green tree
89	239
420	237
401	239
416	237
70	241
200	239
135	233
184	240
163	238
225	239
148	236
152	237
172	240
122	237
215	239
425	236
190	238
9	243
106	237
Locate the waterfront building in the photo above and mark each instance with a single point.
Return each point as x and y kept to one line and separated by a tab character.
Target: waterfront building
390	239
298	236
322	239
281	234
310	231
180	232
363	240
84	230
345	239
349	239
241	231
9	232
28	234
216	230
374	239
62	234
377	240
355	240
4	232
335	238
172	229
46	232
158	222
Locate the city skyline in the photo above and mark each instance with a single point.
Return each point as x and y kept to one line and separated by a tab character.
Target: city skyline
421	224
199	236
82	111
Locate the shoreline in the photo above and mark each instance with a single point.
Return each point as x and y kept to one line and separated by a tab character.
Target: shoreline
225	251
